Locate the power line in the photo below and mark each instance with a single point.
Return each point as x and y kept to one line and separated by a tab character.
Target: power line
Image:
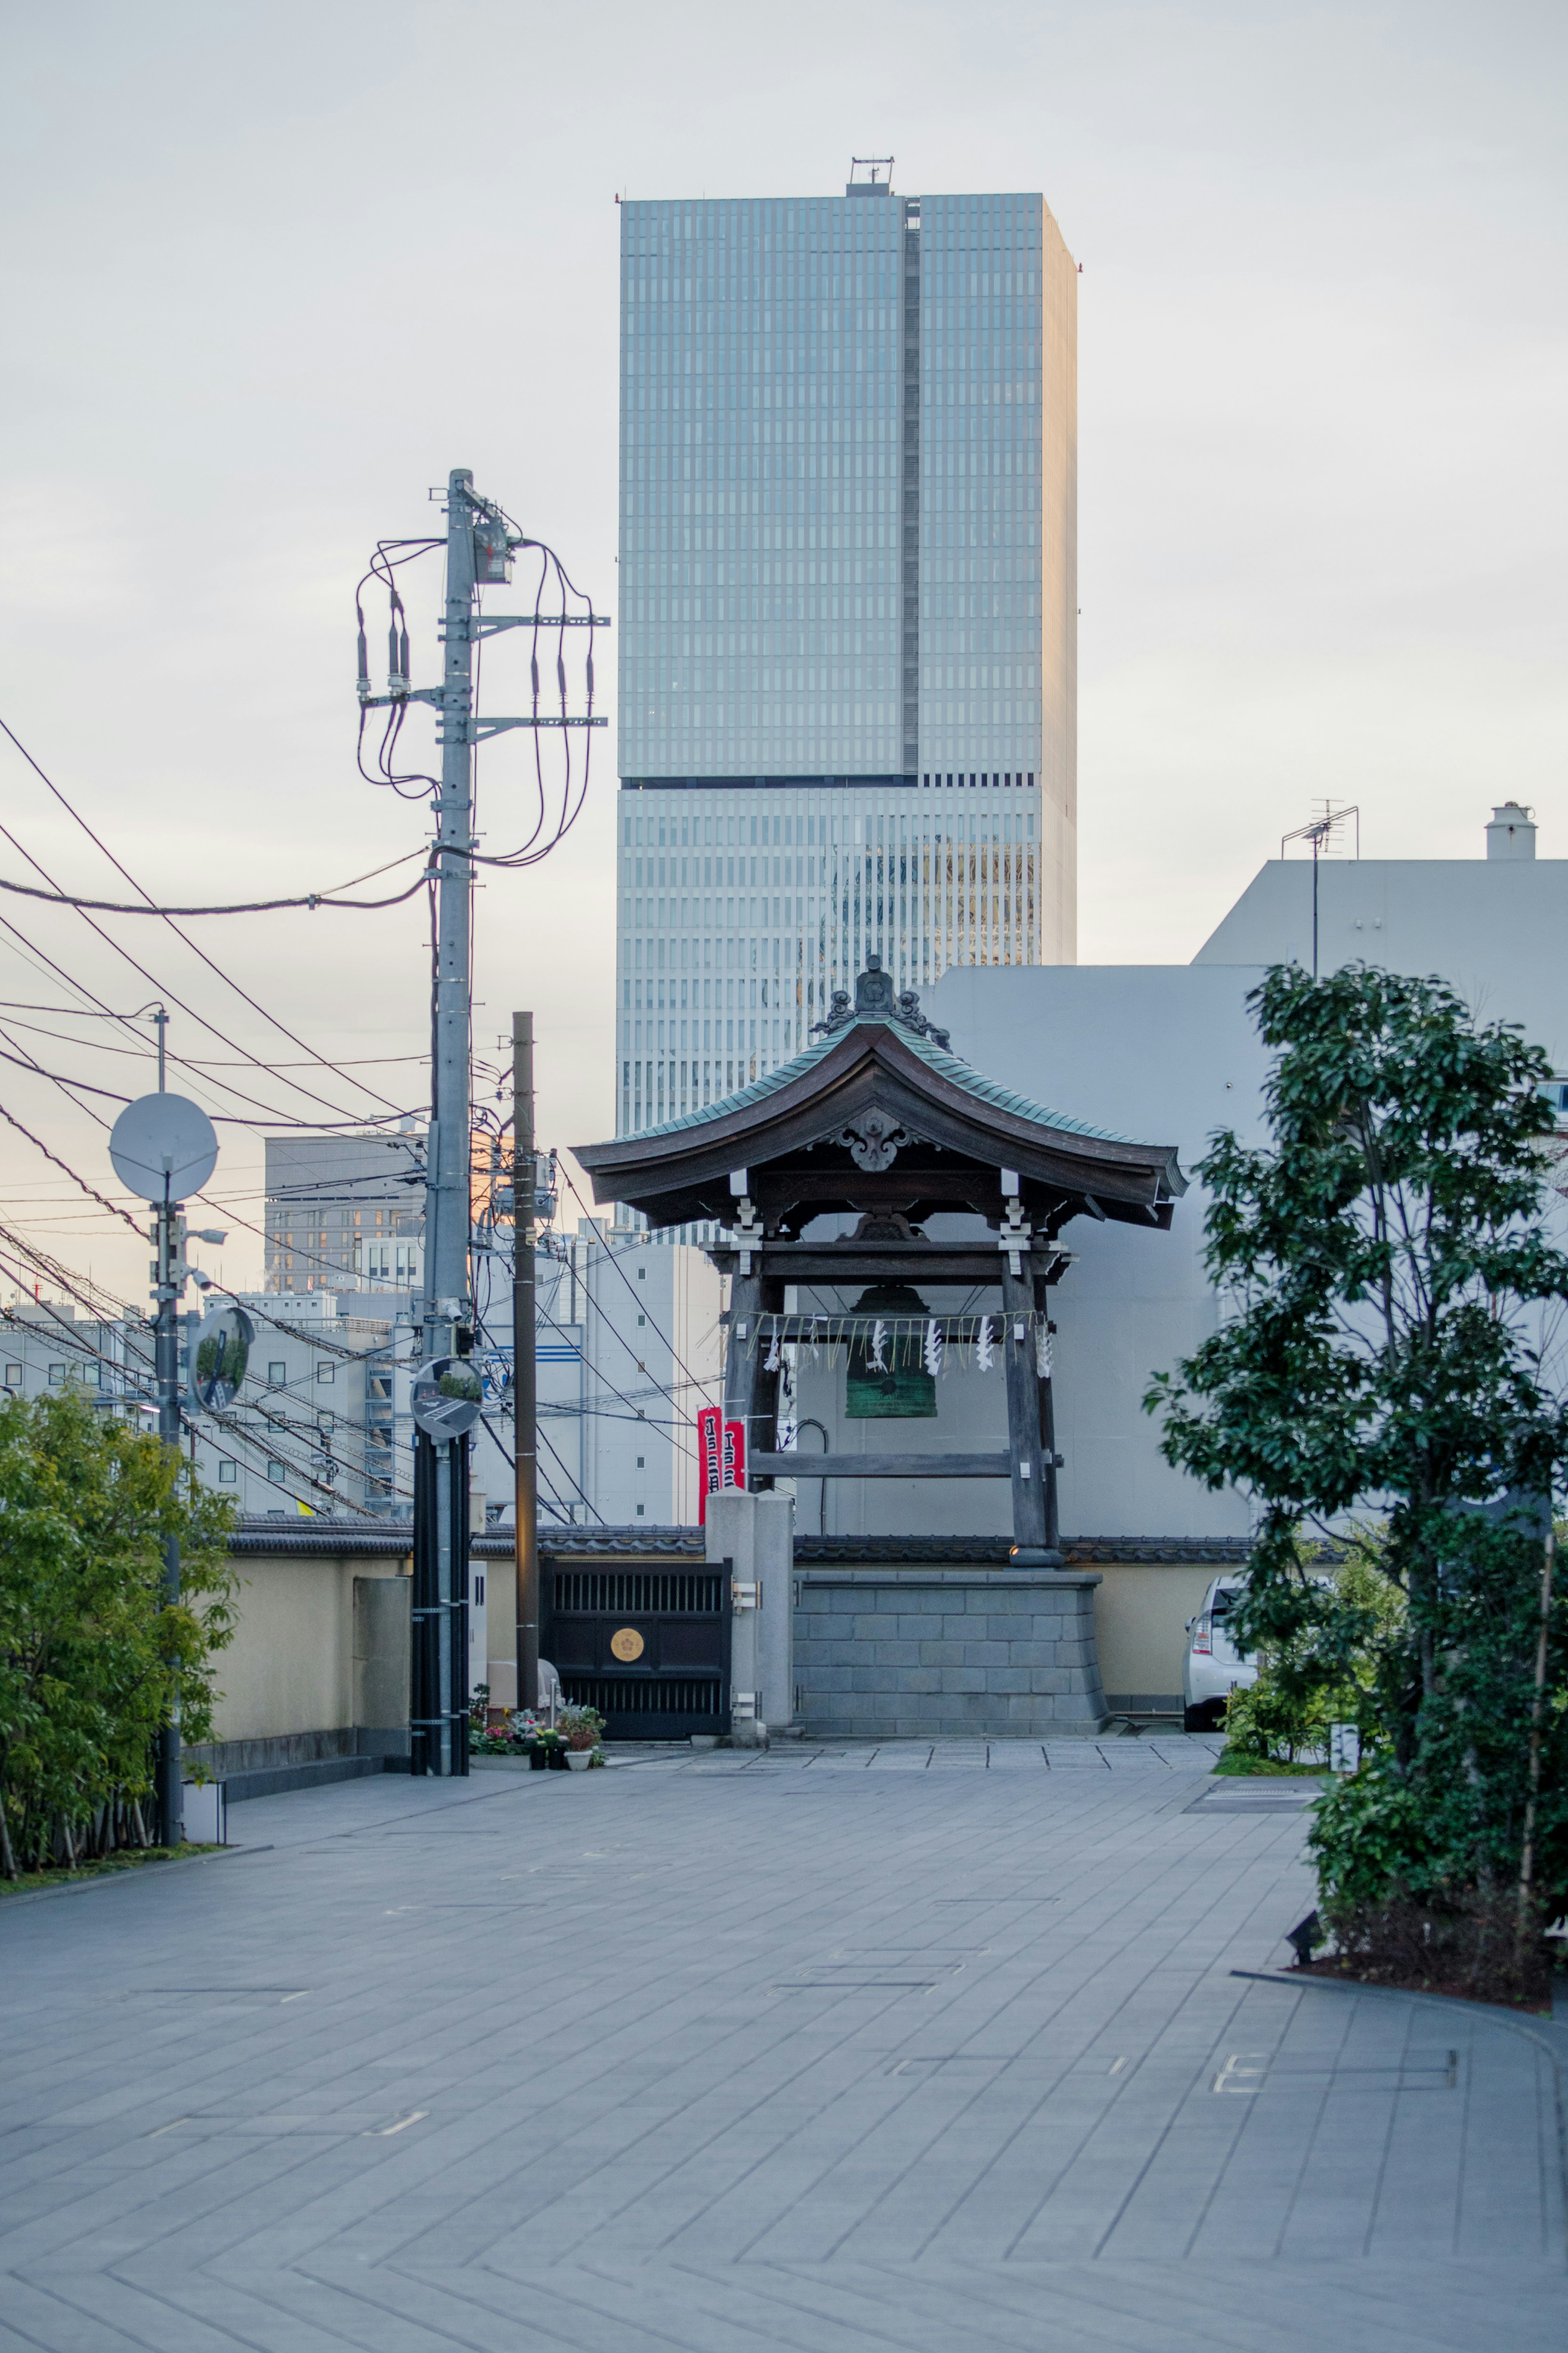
613	1257
223	1118
120	868
12	1121
511	1461
310	898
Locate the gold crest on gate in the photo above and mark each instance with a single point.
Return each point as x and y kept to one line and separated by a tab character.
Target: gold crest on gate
626	1644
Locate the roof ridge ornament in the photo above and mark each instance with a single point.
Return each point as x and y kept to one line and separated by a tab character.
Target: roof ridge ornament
875	1000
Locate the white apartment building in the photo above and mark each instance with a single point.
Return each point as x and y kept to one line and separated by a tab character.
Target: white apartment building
310	1429
628	1349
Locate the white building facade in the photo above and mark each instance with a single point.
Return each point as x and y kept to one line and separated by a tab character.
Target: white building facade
848	615
1172	1052
629	1347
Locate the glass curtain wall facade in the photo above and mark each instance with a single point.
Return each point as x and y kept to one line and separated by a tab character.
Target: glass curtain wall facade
848	596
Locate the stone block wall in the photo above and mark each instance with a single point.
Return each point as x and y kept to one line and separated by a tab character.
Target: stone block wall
908	1652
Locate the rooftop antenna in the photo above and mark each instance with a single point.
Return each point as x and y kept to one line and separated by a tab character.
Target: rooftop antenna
1324	833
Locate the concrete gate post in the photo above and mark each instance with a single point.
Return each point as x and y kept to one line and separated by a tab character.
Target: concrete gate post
755	1534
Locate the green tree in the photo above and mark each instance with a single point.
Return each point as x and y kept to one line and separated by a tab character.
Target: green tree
88	1651
1389	1277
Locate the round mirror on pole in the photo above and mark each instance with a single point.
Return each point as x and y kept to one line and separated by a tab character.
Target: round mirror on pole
447	1397
163	1148
220	1353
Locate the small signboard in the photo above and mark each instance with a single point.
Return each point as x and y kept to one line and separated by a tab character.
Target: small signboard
721	1456
710	1472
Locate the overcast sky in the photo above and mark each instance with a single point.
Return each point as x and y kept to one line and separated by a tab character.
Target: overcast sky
271	271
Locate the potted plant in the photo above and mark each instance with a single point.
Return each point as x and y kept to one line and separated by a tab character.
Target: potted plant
582	1728
548	1751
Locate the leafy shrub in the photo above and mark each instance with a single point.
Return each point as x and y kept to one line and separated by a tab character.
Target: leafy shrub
1325	1671
89	1655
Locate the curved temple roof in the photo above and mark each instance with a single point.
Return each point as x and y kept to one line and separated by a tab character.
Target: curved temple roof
946	1117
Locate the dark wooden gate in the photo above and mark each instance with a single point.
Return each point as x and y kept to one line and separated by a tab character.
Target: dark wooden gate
649	1647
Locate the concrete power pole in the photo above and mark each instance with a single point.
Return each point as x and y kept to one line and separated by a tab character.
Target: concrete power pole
447	1210
524	1378
479	553
440	1699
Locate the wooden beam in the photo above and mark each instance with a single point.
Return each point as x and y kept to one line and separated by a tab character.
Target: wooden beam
801	1465
892	1189
917	1263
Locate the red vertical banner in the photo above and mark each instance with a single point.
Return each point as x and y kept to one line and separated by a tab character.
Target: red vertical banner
709	1458
735	1454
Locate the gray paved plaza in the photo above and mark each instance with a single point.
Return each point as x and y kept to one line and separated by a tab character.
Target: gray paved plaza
822	2050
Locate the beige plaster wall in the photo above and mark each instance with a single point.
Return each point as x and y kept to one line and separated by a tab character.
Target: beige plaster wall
290	1665
1141	1612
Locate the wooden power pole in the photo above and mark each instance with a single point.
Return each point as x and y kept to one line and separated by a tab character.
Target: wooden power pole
524	1377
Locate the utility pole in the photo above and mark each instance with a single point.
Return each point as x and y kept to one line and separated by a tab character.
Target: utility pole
479	553
438	1715
524	1373
448	1214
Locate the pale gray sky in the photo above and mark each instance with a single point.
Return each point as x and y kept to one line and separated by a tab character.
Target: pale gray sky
269	272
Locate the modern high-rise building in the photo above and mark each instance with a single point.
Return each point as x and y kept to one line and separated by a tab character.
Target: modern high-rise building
847	615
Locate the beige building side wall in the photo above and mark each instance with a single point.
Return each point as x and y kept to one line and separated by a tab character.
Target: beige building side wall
1141	1613
291	1666
1059	599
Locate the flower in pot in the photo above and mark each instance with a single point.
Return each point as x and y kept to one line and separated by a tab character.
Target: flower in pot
549	1749
584	1728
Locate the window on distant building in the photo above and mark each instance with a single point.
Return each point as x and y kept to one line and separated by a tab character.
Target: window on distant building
278	1374
275	1472
57	1377
13	1376
227	1474
326	1372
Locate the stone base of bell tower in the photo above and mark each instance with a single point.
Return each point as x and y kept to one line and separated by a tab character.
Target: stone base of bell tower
889	1653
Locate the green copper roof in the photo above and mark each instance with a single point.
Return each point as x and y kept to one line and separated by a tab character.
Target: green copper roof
948	1066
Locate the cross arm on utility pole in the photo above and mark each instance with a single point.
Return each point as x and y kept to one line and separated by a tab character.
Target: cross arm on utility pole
486	624
436	694
479	729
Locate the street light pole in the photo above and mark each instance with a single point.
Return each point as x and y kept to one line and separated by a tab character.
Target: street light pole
169	1283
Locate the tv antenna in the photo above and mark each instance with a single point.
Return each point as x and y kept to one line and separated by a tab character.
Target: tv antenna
1326	834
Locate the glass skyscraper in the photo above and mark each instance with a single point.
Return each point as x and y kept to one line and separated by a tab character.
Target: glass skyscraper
847	615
